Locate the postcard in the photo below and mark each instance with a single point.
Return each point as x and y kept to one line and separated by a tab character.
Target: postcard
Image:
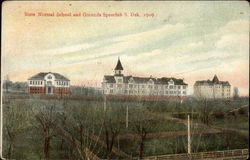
124	80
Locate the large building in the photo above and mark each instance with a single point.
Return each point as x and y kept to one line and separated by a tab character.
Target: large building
118	84
48	83
212	89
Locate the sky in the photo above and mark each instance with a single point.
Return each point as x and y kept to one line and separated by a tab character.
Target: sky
190	40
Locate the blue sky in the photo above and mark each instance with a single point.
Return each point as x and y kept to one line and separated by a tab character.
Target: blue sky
190	40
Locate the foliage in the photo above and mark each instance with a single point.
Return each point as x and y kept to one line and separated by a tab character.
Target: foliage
93	127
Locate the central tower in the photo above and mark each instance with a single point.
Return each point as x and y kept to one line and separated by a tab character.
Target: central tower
118	68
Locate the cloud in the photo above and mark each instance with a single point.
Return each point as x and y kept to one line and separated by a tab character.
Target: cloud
236	41
236	27
117	45
148	36
67	49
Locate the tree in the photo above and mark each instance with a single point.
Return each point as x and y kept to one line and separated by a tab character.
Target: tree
7	83
111	131
16	120
205	110
44	118
141	125
236	93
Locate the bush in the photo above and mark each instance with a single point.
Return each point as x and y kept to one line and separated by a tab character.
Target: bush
241	111
184	115
179	115
219	115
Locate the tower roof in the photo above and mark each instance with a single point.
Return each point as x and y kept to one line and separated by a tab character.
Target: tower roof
119	65
215	79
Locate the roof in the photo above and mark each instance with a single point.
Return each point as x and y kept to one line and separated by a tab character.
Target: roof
214	81
163	80
109	79
119	65
41	76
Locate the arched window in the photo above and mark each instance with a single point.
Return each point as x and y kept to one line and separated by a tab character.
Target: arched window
49	77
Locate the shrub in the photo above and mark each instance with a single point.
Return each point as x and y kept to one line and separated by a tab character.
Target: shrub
219	115
241	111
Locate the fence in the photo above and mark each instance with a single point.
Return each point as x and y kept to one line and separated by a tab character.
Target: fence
202	155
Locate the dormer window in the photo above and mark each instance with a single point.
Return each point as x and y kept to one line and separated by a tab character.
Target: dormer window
151	81
131	80
49	77
119	80
171	82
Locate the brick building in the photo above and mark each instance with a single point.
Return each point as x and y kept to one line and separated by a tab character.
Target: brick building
48	83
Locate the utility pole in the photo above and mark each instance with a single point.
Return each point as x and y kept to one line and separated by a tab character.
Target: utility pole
105	100
127	118
189	139
118	142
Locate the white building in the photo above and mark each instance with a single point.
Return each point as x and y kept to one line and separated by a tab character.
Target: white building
118	84
212	89
48	83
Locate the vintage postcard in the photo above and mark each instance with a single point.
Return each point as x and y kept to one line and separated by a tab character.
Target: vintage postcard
124	80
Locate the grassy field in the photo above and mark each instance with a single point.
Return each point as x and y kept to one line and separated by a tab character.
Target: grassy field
25	127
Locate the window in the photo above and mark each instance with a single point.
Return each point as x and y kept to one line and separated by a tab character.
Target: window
184	87
166	92
156	87
131	86
184	92
119	80
119	86
179	92
179	87
49	77
171	82
111	91
150	86
171	92
30	82
166	87
111	85
142	86
171	87
49	83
